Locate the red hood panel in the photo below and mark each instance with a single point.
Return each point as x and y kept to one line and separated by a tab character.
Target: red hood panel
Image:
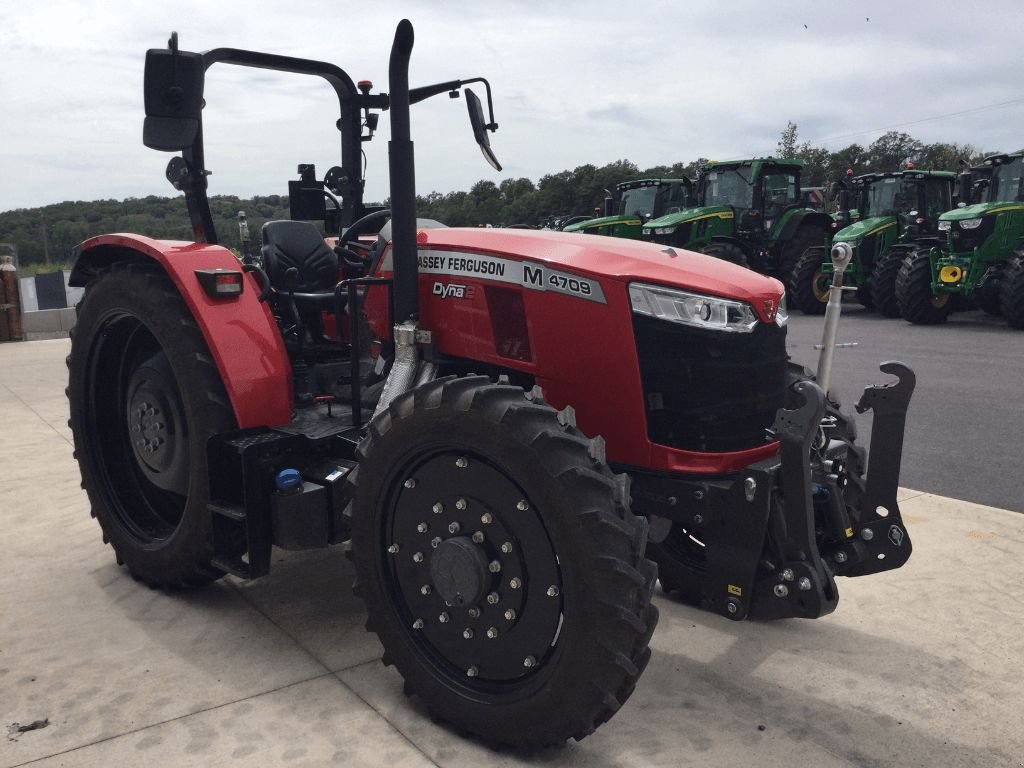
616	258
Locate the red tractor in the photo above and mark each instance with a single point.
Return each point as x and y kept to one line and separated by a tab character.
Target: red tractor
424	397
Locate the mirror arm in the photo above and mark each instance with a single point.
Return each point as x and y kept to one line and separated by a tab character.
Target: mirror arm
422	93
491	126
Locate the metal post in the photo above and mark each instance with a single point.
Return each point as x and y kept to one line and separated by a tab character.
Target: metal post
841	255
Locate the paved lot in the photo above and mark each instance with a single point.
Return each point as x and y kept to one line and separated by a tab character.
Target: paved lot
919	667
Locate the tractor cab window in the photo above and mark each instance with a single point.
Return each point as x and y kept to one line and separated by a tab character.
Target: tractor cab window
638	201
889	197
676	198
937	199
780	191
731	187
1006	180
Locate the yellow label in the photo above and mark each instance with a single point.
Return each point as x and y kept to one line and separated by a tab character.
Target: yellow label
734	590
849	533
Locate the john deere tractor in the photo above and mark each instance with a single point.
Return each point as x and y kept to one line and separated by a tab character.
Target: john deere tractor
981	255
634	203
898	212
748	212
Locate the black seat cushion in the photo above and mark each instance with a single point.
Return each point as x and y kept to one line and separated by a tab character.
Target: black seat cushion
299	244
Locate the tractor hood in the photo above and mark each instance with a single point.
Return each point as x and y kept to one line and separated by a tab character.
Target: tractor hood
603	221
857	231
672	220
980	209
518	253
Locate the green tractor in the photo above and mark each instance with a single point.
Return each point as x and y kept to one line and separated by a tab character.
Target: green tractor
980	259
634	203
898	213
748	212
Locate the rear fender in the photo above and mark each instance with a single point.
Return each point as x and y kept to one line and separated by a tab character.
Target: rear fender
240	332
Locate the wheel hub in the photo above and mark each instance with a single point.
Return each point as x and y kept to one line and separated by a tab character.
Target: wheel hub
458	570
155	419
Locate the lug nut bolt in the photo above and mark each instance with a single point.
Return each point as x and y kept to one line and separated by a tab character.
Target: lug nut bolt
804	584
506	547
438	508
418	624
472	672
494	566
529	661
522	506
443	618
492	632
410	483
781	590
460	504
425	589
492	599
553	591
787	574
462	462
474	613
515	583
478	537
453	527
418	557
510	615
422	527
435	542
393	549
467	633
486	518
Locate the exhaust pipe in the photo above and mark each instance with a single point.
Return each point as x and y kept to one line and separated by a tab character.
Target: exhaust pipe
841	254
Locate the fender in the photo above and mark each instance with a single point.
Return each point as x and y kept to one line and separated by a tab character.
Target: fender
240	332
806	217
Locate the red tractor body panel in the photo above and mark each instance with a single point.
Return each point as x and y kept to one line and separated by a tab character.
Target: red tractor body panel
557	306
240	331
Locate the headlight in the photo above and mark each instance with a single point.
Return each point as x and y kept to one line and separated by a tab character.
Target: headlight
782	315
970	223
944	226
708	312
661	230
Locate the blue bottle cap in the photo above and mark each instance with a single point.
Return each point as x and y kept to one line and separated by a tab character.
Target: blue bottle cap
287	479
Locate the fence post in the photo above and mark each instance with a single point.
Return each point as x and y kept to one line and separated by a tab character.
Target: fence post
10	305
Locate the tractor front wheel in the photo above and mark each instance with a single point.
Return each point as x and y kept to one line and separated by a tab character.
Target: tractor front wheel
500	564
1011	294
809	286
917	302
883	283
805	239
145	396
726	252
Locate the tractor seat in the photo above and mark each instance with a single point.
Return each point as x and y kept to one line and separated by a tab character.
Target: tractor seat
298	244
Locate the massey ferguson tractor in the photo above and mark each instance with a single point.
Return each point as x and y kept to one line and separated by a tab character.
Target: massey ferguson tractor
501	426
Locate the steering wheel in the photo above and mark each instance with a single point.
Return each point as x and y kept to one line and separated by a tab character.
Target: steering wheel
349	248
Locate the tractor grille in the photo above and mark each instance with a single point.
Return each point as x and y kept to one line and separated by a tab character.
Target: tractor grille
966	240
709	390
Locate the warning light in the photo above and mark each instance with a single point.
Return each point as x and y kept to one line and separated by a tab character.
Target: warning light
220	283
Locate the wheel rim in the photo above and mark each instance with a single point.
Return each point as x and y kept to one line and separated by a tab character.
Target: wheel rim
137	430
820	286
471	572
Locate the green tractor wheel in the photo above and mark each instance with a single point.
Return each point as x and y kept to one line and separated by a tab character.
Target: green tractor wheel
807	237
1011	294
917	302
726	252
809	286
987	294
883	283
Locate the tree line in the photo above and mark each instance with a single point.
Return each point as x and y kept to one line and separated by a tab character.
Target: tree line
47	235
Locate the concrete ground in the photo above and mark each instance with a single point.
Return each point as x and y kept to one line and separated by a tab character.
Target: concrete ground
917	667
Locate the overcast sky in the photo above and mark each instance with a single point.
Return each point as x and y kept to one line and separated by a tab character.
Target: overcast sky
574	83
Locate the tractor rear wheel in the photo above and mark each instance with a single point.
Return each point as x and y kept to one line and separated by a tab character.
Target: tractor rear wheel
1011	294
144	397
809	286
500	564
917	302
883	283
726	252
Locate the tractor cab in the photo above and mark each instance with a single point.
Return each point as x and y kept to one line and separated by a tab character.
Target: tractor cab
758	191
636	202
913	200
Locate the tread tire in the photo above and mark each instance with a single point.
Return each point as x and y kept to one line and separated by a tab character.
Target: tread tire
914	291
804	283
727	252
1011	293
883	283
806	237
137	305
607	616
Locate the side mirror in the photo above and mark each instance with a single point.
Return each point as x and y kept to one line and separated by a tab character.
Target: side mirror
476	119
174	97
